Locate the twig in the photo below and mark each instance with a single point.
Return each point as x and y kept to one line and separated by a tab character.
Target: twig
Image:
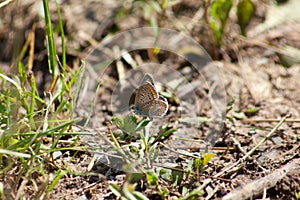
238	144
210	195
266	137
270	120
31	48
180	153
258	186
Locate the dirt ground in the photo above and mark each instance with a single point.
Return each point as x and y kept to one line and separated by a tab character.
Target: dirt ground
260	74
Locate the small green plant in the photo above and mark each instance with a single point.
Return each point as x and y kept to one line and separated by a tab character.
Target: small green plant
134	131
218	13
159	179
179	176
244	12
233	115
28	120
153	182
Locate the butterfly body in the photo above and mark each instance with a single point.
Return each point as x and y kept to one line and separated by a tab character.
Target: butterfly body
146	101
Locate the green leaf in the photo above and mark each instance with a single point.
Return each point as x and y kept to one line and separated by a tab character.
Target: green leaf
118	121
166	174
154	152
115	189
230	104
134	177
155	5
60	174
239	115
251	111
128	190
292	56
245	11
152	178
129	124
206	158
164	193
139	195
164	133
164	4
142	124
14	153
198	163
167	94
194	194
189	167
50	41
219	11
185	190
63	44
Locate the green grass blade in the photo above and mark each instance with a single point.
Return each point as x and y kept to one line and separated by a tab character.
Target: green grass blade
33	94
14	153
60	174
63	45
50	39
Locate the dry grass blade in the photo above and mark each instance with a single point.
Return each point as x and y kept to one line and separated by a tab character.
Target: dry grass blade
4	3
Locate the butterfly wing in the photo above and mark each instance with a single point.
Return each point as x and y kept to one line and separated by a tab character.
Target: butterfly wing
158	108
146	100
147	79
141	95
143	98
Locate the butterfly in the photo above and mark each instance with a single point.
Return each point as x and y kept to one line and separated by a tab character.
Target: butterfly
146	101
